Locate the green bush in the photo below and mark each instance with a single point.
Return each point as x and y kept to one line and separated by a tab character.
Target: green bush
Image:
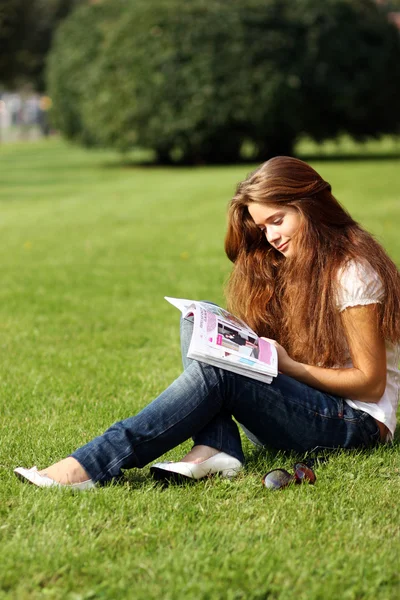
77	45
350	72
195	80
26	32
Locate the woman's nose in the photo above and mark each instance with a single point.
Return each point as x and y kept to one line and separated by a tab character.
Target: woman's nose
272	235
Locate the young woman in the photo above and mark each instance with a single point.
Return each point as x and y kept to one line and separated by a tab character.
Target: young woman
309	277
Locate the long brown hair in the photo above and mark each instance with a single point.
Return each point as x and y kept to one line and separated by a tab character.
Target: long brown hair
292	300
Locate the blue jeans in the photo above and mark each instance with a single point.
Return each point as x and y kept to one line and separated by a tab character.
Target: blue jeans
286	415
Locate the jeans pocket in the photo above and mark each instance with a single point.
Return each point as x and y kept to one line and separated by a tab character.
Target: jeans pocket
369	429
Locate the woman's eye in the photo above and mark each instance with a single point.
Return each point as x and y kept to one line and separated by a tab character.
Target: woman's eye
278	221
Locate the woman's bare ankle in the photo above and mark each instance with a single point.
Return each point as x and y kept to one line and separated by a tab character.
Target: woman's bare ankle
66	471
199	453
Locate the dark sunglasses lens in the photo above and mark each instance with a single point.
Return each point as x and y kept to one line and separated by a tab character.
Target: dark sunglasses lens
276	479
304	473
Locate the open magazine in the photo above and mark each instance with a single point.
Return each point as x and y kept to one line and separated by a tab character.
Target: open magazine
221	339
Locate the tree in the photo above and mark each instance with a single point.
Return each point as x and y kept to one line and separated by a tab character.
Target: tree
71	64
26	30
351	71
195	80
391	5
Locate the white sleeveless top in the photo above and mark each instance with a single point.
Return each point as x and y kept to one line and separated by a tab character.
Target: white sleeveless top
359	285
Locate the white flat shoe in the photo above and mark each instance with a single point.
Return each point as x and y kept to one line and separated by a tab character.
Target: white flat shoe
33	476
222	463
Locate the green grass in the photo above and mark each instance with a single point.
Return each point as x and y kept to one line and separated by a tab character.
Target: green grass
89	248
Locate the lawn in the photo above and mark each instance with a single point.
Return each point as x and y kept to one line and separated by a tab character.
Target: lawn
90	246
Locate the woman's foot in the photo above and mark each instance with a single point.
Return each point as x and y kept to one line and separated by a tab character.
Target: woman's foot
67	472
200	462
199	453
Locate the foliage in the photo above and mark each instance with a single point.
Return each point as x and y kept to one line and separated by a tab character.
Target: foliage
77	45
351	71
88	251
391	5
197	80
26	31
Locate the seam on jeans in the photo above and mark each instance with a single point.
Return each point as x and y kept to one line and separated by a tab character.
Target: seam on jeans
337	418
314	412
372	439
295	402
172	425
102	474
114	463
82	461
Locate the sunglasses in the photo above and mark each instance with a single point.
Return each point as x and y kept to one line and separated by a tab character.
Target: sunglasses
280	478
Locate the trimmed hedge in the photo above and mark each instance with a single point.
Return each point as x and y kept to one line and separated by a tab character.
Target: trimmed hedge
195	80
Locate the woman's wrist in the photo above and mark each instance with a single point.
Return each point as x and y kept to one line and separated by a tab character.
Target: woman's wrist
292	368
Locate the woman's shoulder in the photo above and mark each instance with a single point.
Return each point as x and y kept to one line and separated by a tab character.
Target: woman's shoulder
358	284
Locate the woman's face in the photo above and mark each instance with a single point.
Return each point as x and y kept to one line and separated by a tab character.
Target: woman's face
278	223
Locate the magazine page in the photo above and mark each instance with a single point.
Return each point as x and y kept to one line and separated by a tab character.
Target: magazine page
185	305
223	340
181	303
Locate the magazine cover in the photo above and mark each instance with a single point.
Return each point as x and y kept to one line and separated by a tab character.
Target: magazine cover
221	339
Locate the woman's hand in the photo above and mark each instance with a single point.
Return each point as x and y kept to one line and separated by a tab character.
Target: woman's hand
285	363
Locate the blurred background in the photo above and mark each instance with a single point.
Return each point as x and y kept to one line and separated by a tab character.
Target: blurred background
95	99
200	81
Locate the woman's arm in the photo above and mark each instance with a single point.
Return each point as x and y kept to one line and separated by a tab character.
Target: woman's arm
366	380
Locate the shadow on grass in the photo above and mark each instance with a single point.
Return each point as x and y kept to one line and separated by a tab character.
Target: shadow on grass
259	459
136	478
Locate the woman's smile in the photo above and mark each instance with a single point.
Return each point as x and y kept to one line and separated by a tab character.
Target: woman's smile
278	223
283	247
